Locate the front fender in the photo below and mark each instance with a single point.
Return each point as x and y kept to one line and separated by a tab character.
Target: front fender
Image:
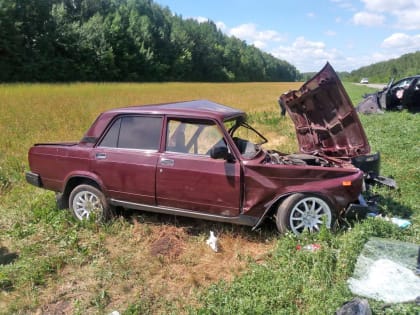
268	207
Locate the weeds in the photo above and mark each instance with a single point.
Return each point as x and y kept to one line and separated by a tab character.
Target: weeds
51	263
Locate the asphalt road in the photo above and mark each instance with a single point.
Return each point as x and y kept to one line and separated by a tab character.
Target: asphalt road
373	85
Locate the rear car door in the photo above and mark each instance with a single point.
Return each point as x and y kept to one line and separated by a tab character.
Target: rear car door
125	158
188	178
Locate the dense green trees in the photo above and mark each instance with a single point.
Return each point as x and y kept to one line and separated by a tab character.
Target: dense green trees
122	40
381	72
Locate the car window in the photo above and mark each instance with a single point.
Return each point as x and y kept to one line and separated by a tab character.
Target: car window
111	138
247	139
134	132
403	83
193	137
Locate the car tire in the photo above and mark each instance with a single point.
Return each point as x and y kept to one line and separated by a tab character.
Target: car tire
61	202
300	212
86	201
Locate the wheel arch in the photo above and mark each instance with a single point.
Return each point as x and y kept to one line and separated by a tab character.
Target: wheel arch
273	204
74	181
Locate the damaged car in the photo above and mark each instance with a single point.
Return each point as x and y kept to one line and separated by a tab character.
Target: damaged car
403	94
203	160
196	159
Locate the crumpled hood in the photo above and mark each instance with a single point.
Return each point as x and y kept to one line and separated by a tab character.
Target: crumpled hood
324	117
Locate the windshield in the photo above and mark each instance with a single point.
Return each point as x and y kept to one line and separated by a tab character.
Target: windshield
247	139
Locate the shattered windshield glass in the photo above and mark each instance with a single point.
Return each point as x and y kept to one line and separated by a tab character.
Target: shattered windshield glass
385	271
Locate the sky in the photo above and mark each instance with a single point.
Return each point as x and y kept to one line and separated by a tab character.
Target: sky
308	33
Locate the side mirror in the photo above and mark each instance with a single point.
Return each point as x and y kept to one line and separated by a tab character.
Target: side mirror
220	153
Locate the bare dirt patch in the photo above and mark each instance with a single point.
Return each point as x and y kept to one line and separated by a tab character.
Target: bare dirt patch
57	308
170	242
157	261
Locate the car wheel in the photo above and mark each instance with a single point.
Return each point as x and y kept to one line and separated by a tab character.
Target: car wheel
88	202
61	202
301	212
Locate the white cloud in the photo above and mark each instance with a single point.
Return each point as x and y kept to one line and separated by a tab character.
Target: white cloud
402	42
406	12
311	56
201	19
310	15
221	26
308	55
361	61
344	4
368	19
389	5
252	35
259	44
409	19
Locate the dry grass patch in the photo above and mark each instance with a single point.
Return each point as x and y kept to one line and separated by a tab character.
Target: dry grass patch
159	259
148	260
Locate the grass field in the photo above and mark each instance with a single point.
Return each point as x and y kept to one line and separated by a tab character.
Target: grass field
50	263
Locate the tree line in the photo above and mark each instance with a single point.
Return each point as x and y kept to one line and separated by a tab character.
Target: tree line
381	72
123	40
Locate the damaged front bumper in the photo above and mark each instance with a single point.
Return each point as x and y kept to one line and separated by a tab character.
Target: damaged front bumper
370	165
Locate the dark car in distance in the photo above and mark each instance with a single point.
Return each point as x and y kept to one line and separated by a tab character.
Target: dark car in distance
404	93
203	160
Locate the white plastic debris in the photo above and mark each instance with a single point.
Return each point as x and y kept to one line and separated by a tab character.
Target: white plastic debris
212	242
402	223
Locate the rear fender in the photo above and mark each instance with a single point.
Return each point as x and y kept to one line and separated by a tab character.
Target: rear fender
75	179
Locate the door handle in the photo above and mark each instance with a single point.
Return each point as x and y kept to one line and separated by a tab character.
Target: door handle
100	156
166	162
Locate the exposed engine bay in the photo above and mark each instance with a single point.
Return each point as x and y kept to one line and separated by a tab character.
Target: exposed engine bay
275	157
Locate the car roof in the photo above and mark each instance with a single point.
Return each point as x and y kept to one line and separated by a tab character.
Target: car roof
199	109
195	108
406	78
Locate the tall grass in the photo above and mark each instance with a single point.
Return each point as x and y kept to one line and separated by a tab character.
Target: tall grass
51	263
57	112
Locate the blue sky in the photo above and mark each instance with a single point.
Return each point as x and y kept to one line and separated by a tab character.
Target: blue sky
307	33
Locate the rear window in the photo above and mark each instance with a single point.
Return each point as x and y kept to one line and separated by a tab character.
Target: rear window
134	132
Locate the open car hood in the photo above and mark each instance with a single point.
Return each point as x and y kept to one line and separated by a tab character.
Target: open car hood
324	117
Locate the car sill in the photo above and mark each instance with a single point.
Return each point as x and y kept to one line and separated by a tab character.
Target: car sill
241	219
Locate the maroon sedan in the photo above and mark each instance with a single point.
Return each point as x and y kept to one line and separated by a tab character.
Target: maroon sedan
203	160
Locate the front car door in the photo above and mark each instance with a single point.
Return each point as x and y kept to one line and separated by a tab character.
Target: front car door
188	178
395	95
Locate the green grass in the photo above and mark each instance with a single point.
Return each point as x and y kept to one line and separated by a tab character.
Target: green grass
356	92
294	282
299	282
51	262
